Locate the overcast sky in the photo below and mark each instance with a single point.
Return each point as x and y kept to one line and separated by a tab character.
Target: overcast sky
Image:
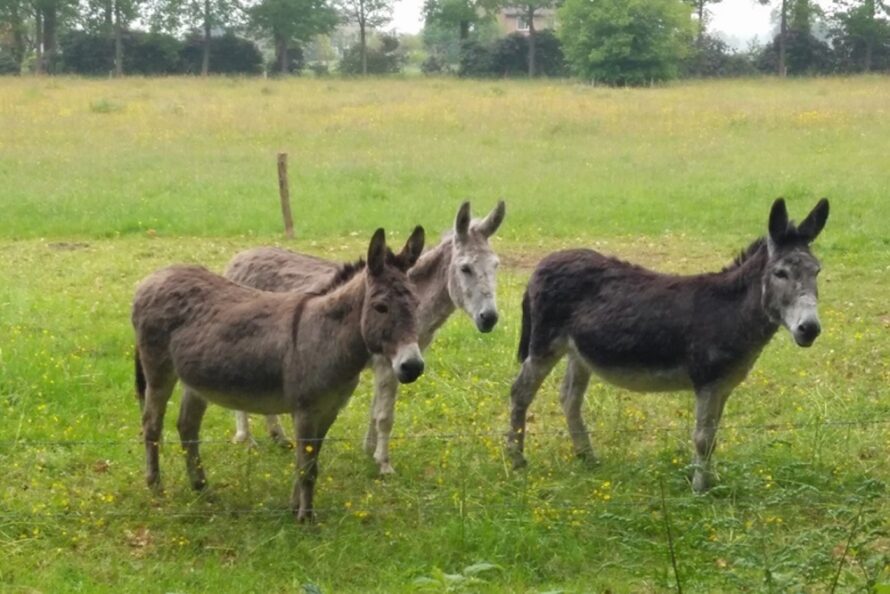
739	21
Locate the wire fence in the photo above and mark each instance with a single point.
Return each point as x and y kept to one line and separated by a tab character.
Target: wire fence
471	504
774	427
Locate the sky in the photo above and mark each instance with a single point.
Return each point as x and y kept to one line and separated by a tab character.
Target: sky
738	21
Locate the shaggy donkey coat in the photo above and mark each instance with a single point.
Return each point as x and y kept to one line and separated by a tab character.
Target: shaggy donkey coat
270	353
647	331
459	273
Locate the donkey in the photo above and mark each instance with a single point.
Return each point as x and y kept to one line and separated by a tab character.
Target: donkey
271	353
459	272
646	331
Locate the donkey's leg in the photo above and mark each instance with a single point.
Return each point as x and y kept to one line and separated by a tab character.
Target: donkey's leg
382	416
574	384
276	431
242	429
531	375
311	431
709	403
191	412
159	387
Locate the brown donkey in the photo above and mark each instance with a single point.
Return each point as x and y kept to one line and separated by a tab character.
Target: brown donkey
458	273
271	353
651	332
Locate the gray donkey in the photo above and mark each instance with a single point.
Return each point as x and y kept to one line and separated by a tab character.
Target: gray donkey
460	272
300	353
647	331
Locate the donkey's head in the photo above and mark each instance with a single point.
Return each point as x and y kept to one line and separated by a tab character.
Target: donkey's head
789	282
389	312
472	279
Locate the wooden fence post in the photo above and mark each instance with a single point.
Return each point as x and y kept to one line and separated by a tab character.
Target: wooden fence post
284	192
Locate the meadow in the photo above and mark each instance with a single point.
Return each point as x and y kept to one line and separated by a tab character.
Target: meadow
104	181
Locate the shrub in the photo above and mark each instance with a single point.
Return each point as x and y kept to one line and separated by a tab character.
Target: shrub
8	65
228	55
296	62
625	42
151	53
476	60
804	54
386	59
711	57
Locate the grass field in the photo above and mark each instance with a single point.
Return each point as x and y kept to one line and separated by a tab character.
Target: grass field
102	182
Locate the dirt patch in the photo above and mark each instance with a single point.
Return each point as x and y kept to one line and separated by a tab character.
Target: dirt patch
67	246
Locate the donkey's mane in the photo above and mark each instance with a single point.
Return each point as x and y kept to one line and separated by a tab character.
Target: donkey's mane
746	254
347	270
344	274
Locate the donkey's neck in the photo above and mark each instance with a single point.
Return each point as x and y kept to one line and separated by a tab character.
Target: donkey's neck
742	283
330	341
430	278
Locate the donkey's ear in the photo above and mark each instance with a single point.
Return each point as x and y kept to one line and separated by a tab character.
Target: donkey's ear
413	247
778	221
490	224
815	221
462	222
377	253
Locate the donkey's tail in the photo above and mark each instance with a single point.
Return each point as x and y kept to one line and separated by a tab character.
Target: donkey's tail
140	380
526	328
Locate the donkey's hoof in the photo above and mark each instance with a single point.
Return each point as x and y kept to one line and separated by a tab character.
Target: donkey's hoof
518	459
304	516
245	438
588	459
702	483
386	469
283	442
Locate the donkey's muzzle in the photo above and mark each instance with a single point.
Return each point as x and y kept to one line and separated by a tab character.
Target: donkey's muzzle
806	333
487	320
410	370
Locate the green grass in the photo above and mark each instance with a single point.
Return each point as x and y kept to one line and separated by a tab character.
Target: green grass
102	182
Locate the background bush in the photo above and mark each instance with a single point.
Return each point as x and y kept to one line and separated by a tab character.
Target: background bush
383	59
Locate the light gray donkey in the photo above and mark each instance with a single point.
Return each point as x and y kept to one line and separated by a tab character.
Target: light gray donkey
299	352
651	332
460	272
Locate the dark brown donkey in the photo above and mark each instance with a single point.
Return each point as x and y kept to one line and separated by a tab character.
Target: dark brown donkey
647	331
271	353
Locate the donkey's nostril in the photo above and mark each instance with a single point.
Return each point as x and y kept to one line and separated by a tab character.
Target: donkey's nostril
809	330
410	370
487	320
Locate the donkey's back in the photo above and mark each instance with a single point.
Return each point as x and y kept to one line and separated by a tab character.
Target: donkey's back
276	269
619	315
186	316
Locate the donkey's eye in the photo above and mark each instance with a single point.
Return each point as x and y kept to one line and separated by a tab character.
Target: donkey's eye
381	308
466	269
781	273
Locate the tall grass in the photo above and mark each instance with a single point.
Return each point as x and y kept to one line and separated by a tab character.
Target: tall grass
102	182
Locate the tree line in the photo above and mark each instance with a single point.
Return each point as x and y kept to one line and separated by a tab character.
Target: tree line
624	42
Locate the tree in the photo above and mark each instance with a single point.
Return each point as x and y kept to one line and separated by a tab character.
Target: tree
13	17
289	22
111	18
367	14
49	15
385	59
531	9
701	9
173	15
782	37
862	30
462	15
626	42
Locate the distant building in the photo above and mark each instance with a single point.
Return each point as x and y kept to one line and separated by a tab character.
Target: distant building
514	19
